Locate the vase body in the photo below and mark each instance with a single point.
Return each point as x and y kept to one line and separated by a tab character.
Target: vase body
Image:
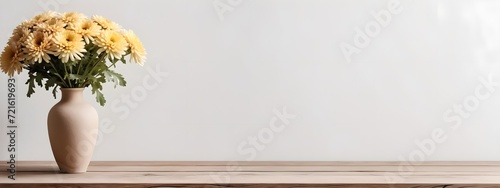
72	125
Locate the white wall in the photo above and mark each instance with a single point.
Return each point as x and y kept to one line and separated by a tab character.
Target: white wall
230	72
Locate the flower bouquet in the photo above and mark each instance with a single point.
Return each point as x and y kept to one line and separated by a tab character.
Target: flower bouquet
69	50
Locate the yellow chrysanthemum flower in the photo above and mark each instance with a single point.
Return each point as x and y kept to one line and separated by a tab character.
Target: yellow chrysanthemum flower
88	29
19	36
52	26
15	40
10	62
38	46
24	25
45	16
69	45
112	43
105	23
73	18
137	51
21	32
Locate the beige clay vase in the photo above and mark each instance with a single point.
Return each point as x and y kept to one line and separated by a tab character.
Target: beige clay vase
72	125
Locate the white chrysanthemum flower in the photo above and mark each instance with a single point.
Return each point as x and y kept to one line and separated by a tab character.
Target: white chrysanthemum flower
105	23
112	43
137	51
37	47
69	45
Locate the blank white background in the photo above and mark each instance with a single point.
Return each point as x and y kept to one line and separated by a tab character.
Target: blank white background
225	78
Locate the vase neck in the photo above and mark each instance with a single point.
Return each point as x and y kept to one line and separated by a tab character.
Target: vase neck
72	94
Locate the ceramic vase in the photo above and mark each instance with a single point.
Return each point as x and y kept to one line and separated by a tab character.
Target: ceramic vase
72	126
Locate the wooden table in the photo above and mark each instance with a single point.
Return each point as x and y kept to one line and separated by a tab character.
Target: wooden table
259	174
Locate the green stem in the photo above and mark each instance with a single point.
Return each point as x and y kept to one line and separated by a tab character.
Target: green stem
66	75
93	52
78	72
59	75
112	64
94	66
93	62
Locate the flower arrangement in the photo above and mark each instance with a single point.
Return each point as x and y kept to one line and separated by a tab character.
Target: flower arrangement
69	50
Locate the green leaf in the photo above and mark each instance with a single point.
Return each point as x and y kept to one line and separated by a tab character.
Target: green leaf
50	83
38	79
123	60
54	92
31	85
100	98
115	77
100	78
96	85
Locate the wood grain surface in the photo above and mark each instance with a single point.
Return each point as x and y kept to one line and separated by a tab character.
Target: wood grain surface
258	174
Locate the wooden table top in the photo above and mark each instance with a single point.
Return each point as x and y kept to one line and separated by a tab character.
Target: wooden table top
258	174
